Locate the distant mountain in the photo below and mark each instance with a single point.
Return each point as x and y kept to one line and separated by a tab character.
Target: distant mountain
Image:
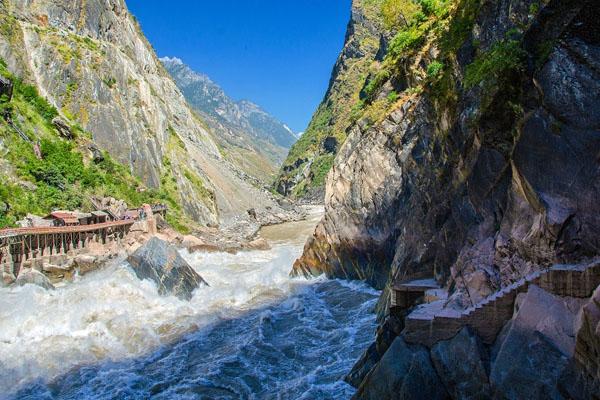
250	137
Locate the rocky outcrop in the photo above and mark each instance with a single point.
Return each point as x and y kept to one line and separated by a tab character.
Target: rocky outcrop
252	138
160	262
545	350
62	128
536	347
462	363
457	184
582	379
403	373
91	60
6	88
386	334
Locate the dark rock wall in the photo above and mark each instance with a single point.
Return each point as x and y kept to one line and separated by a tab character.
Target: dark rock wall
480	186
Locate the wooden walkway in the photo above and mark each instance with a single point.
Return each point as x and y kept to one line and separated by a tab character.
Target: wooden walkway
29	247
12	232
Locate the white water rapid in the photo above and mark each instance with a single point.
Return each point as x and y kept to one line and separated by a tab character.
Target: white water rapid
254	333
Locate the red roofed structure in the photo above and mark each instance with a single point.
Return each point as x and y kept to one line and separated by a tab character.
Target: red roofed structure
63	218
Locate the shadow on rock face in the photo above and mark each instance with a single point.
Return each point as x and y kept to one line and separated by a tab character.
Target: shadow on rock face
404	372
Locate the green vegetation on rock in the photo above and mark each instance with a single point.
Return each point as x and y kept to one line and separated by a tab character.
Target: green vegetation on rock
502	58
65	176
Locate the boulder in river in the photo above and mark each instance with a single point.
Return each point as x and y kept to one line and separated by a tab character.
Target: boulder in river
160	262
34	277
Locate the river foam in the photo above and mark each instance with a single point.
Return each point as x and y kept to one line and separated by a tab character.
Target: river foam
254	333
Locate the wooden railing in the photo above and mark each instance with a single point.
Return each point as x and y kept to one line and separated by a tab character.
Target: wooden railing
11	232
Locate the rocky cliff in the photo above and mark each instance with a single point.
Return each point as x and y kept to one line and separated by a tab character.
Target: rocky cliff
311	157
249	136
474	161
91	60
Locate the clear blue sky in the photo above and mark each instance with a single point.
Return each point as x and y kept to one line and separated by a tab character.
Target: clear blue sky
276	53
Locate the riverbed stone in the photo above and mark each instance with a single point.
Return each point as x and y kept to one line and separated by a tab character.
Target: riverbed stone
404	372
160	262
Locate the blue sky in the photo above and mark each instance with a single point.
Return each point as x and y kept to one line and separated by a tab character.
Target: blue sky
276	53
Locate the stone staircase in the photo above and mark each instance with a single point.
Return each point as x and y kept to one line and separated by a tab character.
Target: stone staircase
431	323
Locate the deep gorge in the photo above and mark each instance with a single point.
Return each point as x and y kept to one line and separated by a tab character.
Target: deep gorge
457	154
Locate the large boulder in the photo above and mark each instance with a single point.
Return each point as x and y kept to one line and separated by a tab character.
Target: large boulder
582	379
461	365
160	262
537	347
33	277
404	372
62	127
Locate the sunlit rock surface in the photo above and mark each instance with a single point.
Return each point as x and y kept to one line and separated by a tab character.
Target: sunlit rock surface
160	262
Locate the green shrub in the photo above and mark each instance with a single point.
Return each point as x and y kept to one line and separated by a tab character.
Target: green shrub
407	39
534	8
320	168
110	81
30	95
398	12
376	82
501	59
461	25
392	96
439	8
434	69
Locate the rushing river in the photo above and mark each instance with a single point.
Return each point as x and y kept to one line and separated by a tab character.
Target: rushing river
255	333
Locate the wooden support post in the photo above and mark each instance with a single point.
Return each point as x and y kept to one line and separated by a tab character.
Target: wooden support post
61	243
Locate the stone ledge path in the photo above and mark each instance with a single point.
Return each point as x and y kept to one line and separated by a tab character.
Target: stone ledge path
431	323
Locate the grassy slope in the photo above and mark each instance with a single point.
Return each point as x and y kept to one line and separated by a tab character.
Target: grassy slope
66	176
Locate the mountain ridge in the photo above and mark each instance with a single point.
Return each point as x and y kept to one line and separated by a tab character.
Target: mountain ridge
242	127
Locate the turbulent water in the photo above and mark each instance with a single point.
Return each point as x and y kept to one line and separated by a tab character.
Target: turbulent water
255	333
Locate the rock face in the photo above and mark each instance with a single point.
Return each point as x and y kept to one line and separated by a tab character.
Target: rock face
253	139
582	378
545	351
304	170
386	334
536	348
6	88
455	182
462	365
91	60
475	162
160	262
